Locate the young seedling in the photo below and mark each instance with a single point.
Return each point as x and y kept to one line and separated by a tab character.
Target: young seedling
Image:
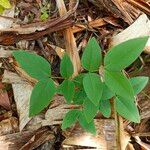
4	4
91	90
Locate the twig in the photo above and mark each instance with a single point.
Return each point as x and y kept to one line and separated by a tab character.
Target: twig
71	46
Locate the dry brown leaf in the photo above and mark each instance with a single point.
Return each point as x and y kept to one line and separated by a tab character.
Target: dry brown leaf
9	126
22	91
4	100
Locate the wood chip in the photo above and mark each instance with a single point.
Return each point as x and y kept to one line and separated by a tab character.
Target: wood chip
15	141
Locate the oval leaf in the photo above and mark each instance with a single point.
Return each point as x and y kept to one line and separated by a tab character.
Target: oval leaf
89	127
105	108
89	110
122	55
68	90
78	81
79	97
41	96
70	119
66	67
138	83
107	93
93	87
92	58
36	66
119	84
127	109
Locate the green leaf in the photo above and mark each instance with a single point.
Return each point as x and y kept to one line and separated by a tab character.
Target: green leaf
122	55
119	84
93	87
44	16
89	110
5	4
127	109
105	108
66	67
36	66
138	83
68	90
1	9
89	127
41	96
70	118
107	93
78	81
79	97
92	57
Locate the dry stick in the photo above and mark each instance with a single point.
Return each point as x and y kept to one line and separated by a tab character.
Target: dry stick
71	46
119	131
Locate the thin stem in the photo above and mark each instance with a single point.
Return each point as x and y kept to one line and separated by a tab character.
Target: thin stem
118	123
57	77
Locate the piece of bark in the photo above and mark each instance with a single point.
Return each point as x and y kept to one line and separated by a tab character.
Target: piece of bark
70	43
118	8
15	141
22	92
141	27
36	30
40	137
104	139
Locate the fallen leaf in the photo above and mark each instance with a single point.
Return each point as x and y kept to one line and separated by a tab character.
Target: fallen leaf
4	100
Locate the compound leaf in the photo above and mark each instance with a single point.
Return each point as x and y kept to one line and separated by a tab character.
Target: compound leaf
138	83
70	118
66	67
41	96
93	87
36	66
119	84
68	90
122	55
92	58
127	109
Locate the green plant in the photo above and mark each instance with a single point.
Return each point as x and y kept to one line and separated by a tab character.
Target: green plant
4	4
91	90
